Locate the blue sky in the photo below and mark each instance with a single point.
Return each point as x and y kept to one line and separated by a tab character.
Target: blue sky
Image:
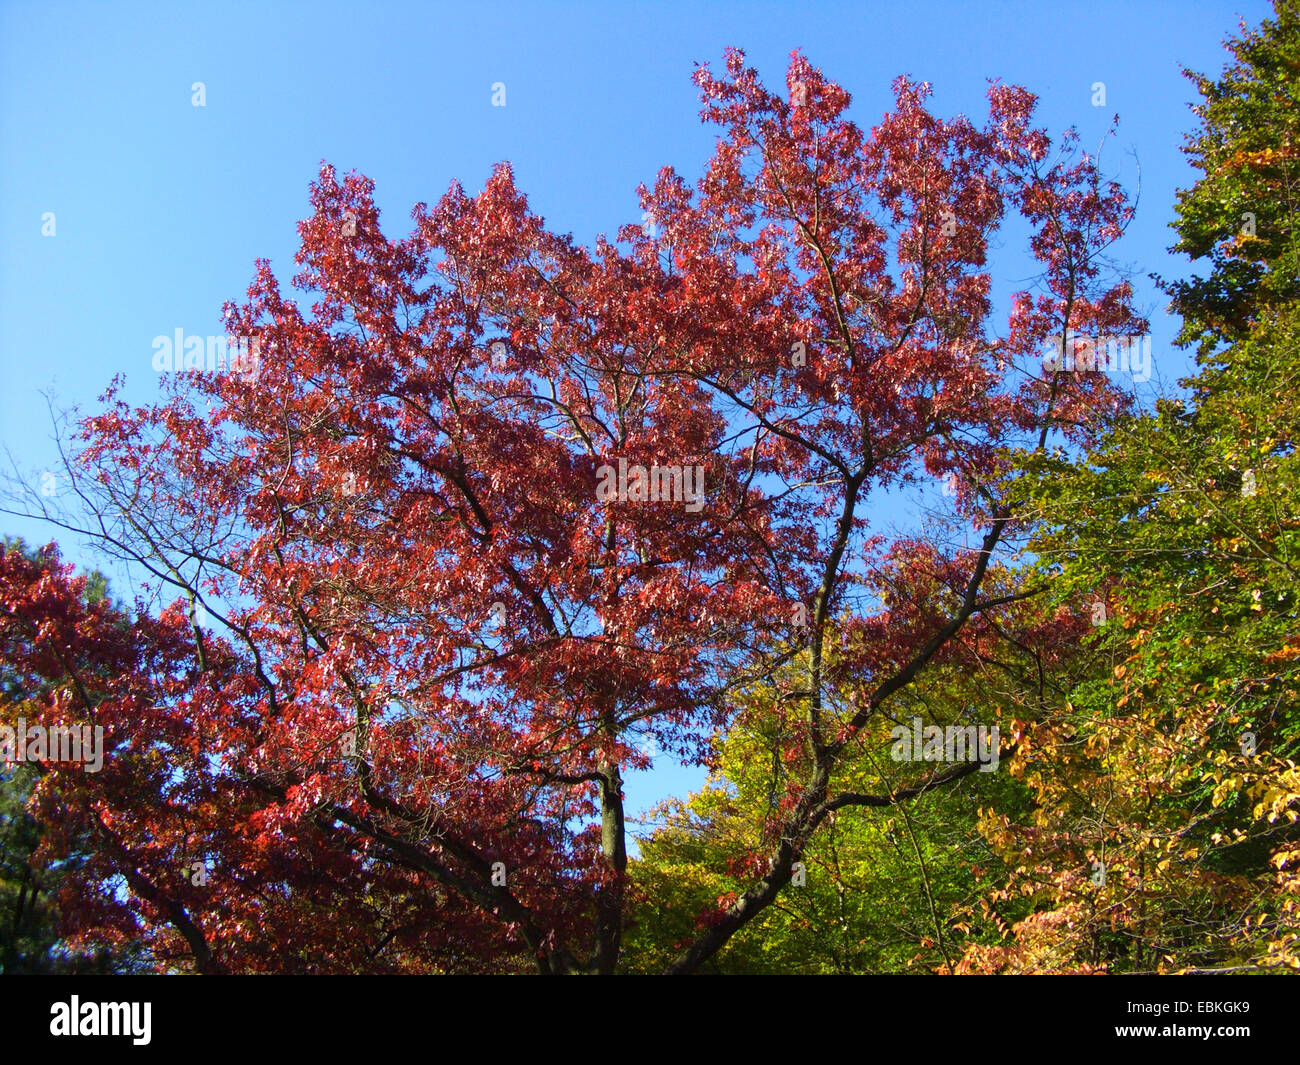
160	207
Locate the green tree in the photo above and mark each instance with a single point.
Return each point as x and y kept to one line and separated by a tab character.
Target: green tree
1240	214
891	886
1167	794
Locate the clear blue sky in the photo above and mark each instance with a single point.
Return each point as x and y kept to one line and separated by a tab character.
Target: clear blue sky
161	207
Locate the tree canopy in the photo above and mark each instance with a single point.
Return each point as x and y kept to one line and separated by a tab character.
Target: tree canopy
495	509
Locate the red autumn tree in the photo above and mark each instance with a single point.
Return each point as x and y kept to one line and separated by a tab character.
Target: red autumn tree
424	647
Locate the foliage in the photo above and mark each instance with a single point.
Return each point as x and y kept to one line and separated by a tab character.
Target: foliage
32	883
384	724
1174	771
1240	214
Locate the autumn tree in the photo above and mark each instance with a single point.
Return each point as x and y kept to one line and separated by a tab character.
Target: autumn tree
1166	833
45	865
421	631
29	912
1239	217
900	886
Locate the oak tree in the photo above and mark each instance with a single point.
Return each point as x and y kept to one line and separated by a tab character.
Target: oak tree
409	653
